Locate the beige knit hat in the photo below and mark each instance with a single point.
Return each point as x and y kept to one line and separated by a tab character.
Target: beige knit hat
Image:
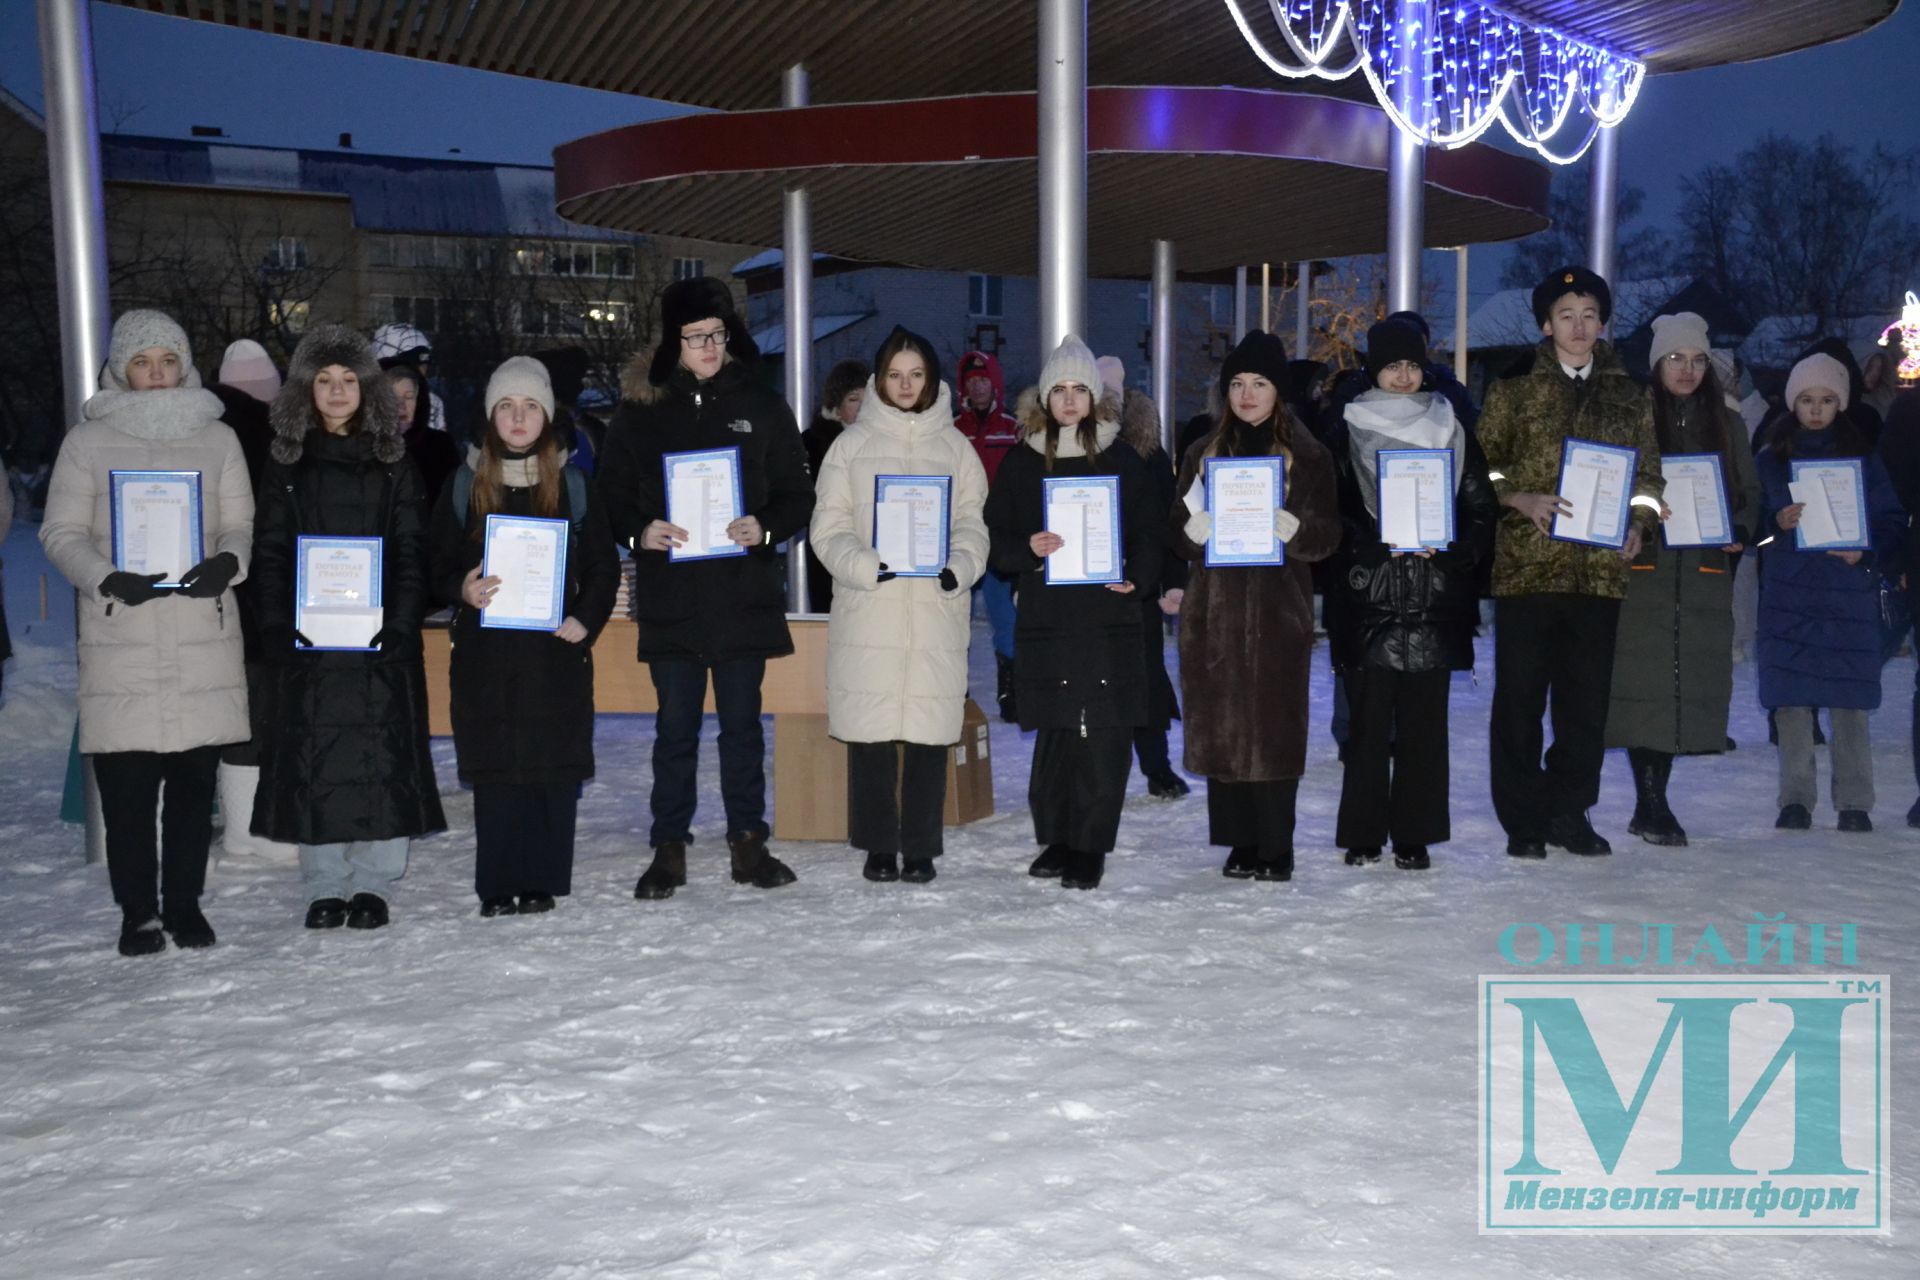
1684	331
247	367
1071	361
521	376
1818	370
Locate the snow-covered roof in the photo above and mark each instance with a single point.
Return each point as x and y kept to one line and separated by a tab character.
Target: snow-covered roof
1506	318
772	340
1777	340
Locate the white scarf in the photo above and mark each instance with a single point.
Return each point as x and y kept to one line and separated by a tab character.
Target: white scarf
1379	420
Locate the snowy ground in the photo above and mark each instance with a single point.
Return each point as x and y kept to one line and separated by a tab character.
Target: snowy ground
1175	1076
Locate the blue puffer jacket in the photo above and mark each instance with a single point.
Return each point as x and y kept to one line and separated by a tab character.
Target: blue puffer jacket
1819	632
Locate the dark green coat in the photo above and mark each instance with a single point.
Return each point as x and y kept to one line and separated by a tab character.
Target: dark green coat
1526	422
1673	659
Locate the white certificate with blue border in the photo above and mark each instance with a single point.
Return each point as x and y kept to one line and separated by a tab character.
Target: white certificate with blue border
157	525
1243	497
1084	511
704	497
336	591
1834	491
1415	498
1596	481
1696	497
911	523
529	556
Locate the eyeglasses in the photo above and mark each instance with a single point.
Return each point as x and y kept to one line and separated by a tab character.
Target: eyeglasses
1681	360
701	341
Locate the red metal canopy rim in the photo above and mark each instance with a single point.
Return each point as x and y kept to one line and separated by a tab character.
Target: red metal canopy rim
1003	128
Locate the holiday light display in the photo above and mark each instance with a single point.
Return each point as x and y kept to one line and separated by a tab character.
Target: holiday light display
1908	327
1446	70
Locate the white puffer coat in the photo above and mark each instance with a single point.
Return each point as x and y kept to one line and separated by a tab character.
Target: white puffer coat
166	675
897	650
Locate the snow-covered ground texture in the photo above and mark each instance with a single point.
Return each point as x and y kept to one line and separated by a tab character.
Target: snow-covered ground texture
989	1077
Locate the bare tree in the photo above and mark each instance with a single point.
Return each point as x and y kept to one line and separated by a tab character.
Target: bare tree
1640	255
1817	230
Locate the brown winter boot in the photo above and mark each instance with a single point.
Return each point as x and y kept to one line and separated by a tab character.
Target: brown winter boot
667	872
753	865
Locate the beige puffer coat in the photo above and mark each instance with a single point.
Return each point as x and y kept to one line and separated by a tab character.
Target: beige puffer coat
166	675
897	650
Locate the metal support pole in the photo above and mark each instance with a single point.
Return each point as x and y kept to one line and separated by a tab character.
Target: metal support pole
1266	297
1062	104
796	257
79	237
1406	219
1303	313
1603	194
1163	347
1239	304
1461	338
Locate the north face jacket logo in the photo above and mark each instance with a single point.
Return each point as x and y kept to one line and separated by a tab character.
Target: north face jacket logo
741	425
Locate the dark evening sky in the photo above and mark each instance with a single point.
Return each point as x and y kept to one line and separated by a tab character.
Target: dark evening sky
160	76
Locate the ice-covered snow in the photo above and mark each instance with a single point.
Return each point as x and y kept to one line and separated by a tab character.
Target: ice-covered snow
1176	1075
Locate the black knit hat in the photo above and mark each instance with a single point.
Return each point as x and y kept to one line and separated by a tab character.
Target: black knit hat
1262	353
688	302
1566	280
1391	341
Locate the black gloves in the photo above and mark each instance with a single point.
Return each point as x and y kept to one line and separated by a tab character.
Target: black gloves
211	577
885	576
132	588
948	582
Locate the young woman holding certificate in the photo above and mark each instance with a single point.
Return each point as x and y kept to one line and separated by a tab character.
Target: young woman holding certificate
897	522
1070	513
522	550
1836	523
340	578
1401	600
1673	661
1246	623
704	475
150	517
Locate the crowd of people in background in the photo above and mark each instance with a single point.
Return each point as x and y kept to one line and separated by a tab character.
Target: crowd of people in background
208	688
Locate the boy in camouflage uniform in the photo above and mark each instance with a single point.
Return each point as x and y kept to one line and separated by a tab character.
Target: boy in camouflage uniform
1557	604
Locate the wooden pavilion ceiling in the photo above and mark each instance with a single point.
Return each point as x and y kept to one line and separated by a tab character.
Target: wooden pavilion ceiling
730	54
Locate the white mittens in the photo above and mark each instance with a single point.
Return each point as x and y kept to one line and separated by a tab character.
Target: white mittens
1199	528
1285	524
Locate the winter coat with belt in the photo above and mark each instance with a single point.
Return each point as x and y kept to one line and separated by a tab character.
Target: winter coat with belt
1818	637
1526	423
729	607
346	750
1246	632
522	701
167	675
897	650
1673	655
1080	656
1407	613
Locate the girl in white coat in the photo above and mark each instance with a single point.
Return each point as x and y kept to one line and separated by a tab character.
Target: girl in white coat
897	646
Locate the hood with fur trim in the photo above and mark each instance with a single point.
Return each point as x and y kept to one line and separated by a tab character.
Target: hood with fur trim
292	413
1139	422
1033	423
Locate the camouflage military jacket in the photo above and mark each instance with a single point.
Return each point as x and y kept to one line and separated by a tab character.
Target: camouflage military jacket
1526	421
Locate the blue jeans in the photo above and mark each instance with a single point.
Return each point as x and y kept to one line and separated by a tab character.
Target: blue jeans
681	685
362	866
996	593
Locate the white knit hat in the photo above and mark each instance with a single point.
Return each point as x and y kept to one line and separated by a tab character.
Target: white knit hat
1818	370
1113	375
1682	332
521	376
1071	361
134	332
247	367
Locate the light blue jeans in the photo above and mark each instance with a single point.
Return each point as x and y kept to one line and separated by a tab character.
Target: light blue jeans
362	866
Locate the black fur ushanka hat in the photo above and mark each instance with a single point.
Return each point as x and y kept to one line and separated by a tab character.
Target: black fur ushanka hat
686	302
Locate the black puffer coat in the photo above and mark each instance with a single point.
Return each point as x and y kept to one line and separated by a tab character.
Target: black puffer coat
1406	613
345	755
1081	658
730	607
522	701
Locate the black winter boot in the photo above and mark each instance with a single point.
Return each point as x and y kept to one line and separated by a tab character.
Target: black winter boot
186	925
141	933
667	872
882	867
1572	832
1277	867
753	865
1083	870
1653	821
1239	864
1051	862
1008	711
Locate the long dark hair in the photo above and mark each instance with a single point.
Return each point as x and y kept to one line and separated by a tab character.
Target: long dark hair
1670	413
1848	440
1088	432
1229	438
489	483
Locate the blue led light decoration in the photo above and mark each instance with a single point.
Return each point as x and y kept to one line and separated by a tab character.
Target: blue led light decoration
1446	70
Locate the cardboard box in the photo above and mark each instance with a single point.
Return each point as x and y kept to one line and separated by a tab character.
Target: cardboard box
810	777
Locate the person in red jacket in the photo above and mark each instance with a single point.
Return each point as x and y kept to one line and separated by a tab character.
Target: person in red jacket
984	419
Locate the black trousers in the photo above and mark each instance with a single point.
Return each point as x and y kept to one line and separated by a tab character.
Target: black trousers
682	689
1252	815
896	792
131	785
1549	649
1397	777
1078	785
523	838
